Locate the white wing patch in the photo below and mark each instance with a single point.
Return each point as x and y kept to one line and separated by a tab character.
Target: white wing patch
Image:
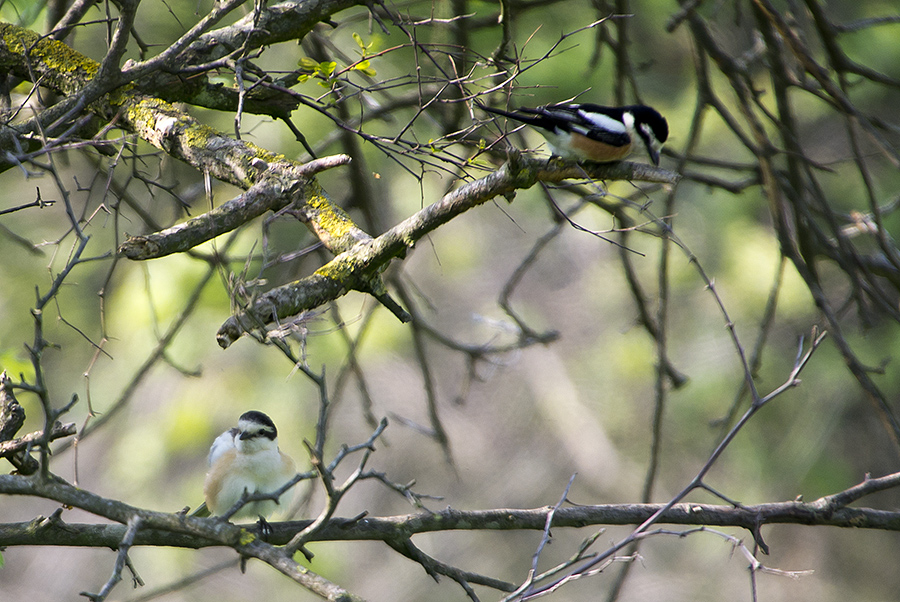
222	444
602	121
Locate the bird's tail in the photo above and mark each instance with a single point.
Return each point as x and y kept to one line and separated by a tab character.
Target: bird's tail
202	511
530	116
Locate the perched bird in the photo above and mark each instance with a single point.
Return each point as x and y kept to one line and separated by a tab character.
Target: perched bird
247	457
589	132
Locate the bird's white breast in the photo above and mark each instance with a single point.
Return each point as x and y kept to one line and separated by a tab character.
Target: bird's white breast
261	471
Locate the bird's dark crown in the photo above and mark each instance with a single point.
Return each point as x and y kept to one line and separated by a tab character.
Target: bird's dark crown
265	424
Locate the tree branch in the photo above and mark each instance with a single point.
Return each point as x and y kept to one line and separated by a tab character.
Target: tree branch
161	529
354	269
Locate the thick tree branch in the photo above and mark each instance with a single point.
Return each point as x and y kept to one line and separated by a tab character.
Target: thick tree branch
161	529
282	22
273	24
187	529
333	226
44	532
355	268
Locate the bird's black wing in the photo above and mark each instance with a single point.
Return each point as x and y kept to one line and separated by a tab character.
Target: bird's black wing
572	118
603	124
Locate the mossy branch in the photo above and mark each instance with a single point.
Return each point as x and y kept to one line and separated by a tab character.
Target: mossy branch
265	175
358	267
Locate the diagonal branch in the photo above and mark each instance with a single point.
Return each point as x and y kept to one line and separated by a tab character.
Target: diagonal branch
355	268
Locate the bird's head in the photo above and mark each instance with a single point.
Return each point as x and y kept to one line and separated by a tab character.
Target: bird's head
256	432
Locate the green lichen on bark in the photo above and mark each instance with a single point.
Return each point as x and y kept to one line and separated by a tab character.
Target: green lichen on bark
63	69
331	224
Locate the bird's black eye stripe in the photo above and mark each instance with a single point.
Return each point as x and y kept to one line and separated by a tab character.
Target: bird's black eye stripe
267	433
270	434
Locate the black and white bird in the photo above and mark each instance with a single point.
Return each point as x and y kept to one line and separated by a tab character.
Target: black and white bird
589	132
247	457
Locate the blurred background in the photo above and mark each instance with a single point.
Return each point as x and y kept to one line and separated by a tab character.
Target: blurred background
523	418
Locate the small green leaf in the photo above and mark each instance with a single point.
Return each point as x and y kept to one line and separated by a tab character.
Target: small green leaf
302	78
359	41
326	68
365	67
307	64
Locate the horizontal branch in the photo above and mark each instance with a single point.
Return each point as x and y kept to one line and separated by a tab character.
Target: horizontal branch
179	530
21	444
821	512
282	22
58	490
226	217
188	531
162	74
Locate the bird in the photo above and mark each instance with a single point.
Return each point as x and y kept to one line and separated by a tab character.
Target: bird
590	132
247	457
